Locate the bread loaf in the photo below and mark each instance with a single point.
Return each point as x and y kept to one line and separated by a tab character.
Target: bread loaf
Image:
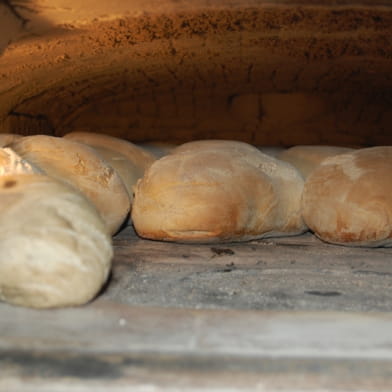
129	160
347	200
54	247
128	172
81	167
214	191
307	158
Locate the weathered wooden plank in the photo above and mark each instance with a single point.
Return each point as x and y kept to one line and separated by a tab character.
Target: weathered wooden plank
69	373
109	345
107	327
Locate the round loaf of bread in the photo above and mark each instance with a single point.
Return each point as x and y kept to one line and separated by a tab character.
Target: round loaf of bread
129	160
81	167
218	191
54	246
307	158
347	200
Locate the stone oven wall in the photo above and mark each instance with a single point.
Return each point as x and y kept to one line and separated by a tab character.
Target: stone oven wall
266	72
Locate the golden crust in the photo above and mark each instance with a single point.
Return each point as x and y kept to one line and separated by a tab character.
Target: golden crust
307	158
216	192
81	167
136	155
348	198
129	160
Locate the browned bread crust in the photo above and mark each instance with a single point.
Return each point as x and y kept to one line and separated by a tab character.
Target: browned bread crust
81	167
307	158
217	191
348	199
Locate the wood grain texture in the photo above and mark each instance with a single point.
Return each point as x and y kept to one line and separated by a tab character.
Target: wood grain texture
106	345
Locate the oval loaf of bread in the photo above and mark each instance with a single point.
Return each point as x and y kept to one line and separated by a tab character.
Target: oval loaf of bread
129	160
307	158
348	199
218	191
54	247
81	167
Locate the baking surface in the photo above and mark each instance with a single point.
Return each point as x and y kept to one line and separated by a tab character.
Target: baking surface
288	314
288	273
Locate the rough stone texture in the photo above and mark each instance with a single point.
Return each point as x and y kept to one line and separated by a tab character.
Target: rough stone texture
316	71
11	24
298	273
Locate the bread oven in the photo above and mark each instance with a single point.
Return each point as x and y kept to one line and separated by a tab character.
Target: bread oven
290	313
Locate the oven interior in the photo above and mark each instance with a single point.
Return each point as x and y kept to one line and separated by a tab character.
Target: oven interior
279	314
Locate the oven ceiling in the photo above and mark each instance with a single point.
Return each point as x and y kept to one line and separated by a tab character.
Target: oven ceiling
275	72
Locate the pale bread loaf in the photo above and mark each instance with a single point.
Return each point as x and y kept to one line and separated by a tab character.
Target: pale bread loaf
128	172
348	199
54	246
212	191
129	160
81	167
307	158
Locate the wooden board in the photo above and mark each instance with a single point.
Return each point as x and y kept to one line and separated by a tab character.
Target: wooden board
106	346
288	314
